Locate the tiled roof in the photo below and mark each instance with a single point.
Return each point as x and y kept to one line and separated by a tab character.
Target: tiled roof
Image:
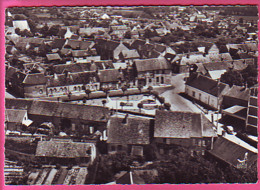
63	149
230	152
152	64
58	109
238	92
53	56
129	54
169	124
35	79
58	43
15	115
135	130
206	84
109	75
72	78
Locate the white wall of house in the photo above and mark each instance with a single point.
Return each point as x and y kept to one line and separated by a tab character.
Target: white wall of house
34	91
62	90
118	50
161	77
203	96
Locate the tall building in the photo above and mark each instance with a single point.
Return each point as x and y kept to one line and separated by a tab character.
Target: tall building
251	120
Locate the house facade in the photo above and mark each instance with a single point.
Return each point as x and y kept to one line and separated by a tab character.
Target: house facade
130	134
186	129
205	90
152	72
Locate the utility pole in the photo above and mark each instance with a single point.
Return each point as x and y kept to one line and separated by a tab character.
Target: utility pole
218	130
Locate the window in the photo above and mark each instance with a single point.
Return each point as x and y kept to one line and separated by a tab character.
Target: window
55	90
193	141
73	127
79	88
168	141
65	89
75	88
40	91
163	71
193	93
199	142
157	79
203	143
119	147
164	140
91	130
191	153
51	91
150	80
203	152
113	148
61	89
162	80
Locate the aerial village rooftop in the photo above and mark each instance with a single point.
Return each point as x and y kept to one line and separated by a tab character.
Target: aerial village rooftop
131	95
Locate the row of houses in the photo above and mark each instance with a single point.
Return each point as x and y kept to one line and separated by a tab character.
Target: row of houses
132	134
92	75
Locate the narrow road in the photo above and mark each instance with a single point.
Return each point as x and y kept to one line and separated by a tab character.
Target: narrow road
178	102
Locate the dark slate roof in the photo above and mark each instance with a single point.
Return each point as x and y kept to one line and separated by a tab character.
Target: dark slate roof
109	75
206	84
135	130
130	54
58	109
213	66
15	115
63	149
72	68
72	78
53	56
58	43
84	45
9	72
152	64
229	152
137	43
73	44
175	124
35	79
160	48
80	67
238	92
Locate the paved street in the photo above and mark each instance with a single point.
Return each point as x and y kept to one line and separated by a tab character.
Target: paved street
178	102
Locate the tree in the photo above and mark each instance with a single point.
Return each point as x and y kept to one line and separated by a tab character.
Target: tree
44	30
104	102
106	90
167	106
140	87
122	104
18	31
140	106
88	92
232	77
156	94
161	100
150	88
124	89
